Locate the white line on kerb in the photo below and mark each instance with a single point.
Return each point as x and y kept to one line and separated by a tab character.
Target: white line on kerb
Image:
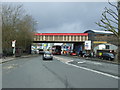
106	74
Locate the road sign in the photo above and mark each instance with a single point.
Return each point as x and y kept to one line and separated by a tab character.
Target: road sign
87	45
13	43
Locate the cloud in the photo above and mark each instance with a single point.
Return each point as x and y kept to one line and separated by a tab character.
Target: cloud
75	27
66	16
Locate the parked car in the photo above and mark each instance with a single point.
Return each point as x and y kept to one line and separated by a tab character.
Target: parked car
86	55
107	56
47	55
82	53
73	53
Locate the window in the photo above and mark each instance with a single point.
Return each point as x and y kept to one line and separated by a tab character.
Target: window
107	46
81	38
72	38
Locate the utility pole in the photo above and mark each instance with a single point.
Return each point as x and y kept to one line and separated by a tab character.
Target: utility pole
0	30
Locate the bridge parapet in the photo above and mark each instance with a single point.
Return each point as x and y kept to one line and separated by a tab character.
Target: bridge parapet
61	37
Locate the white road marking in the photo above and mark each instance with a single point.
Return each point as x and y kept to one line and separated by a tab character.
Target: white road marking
82	62
70	61
106	74
10	67
88	69
97	63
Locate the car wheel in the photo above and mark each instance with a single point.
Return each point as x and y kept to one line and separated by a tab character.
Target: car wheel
109	59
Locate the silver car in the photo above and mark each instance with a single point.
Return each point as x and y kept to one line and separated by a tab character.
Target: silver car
47	55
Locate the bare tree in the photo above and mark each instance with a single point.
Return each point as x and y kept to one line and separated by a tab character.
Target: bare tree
110	22
16	25
10	16
27	27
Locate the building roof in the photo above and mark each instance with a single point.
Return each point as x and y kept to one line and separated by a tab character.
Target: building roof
73	34
99	31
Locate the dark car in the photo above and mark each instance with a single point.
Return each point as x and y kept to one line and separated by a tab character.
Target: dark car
86	55
47	55
82	53
41	51
107	56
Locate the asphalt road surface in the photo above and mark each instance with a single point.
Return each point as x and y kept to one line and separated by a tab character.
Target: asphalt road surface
61	72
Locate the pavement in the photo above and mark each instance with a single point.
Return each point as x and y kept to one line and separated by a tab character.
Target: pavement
6	59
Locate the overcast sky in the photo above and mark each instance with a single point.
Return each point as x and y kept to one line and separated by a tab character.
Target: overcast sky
65	17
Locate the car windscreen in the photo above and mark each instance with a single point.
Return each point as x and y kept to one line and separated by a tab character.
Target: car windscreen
47	53
110	54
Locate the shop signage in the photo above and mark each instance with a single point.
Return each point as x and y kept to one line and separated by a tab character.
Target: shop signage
87	45
99	42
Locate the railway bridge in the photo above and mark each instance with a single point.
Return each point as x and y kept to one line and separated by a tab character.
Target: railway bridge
60	37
